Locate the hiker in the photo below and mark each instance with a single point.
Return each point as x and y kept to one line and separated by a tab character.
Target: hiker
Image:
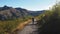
32	20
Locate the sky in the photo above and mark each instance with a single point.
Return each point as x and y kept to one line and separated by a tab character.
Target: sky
29	4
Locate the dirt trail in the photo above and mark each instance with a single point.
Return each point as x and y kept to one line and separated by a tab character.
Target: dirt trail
29	29
21	26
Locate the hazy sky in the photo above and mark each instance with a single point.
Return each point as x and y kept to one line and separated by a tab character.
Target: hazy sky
29	4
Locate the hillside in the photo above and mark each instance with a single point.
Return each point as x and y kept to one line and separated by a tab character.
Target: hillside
13	13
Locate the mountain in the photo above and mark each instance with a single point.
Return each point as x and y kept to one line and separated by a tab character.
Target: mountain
23	11
4	8
32	13
36	13
12	13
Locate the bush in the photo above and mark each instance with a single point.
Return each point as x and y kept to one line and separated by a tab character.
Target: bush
50	23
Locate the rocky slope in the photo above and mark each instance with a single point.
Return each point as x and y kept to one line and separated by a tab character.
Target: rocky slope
12	13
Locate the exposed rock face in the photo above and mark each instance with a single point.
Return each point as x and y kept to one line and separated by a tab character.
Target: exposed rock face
9	13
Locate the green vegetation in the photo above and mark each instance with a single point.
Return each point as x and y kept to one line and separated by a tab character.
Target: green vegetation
7	26
50	22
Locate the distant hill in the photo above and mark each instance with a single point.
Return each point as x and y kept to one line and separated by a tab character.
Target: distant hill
36	13
12	13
